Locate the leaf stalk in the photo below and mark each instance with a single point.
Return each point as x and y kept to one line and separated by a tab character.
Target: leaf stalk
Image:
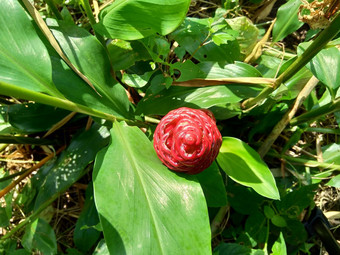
318	44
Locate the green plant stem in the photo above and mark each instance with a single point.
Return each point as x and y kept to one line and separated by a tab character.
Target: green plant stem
314	114
312	163
323	130
265	248
217	221
9	177
151	120
318	44
10	90
89	14
54	9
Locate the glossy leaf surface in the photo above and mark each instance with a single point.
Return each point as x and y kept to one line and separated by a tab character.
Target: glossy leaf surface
124	54
24	58
242	164
149	209
334	182
326	67
248	33
279	247
28	61
89	56
287	20
136	19
176	97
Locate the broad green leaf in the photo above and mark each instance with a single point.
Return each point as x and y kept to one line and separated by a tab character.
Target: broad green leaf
210	70
175	97
231	249
39	235
242	164
295	233
238	69
331	153
237	194
279	247
67	17
213	186
149	209
287	20
28	62
293	203
224	38
268	212
258	252
222	100
158	47
325	66
20	252
15	139
278	221
334	182
256	226
247	33
24	59
124	54
89	56
193	32
5	127
136	19
85	235
34	117
187	70
101	248
4	217
72	163
135	80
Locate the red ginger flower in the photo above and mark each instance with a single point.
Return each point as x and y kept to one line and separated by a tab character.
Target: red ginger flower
187	140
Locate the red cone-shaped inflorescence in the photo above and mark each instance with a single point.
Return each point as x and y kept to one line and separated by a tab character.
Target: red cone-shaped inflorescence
187	140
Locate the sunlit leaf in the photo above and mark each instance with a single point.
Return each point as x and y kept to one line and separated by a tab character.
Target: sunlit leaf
149	209
279	247
242	164
24	58
287	20
325	66
136	19
89	56
247	33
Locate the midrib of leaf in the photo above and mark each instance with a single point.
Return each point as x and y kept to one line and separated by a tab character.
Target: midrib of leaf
284	30
322	67
30	73
134	164
100	87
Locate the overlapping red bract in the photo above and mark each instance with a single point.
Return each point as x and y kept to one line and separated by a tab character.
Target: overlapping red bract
187	140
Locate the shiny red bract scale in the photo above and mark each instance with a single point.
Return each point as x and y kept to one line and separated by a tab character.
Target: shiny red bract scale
187	140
